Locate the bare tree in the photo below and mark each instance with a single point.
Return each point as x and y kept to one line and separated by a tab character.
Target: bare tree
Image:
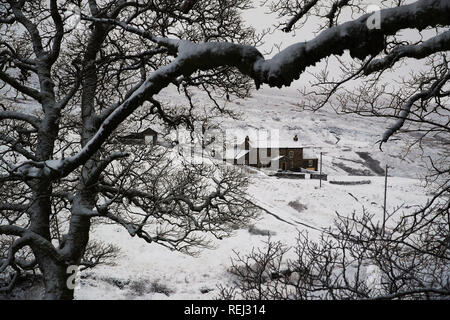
353	260
60	163
411	253
80	75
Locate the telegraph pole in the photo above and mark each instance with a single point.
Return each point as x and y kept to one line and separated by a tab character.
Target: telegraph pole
385	193
320	178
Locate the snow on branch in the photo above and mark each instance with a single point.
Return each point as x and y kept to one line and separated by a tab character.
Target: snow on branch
171	44
303	11
359	37
33	93
16	246
27	237
406	108
191	57
34	121
438	43
356	36
57	40
102	166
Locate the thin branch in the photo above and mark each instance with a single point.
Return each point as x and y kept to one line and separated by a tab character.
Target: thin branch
406	108
303	11
33	93
438	43
34	121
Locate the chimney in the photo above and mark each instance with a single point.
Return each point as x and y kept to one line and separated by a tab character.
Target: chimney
295	138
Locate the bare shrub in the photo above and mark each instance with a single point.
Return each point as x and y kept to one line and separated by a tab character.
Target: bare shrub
356	259
139	287
160	287
260	232
297	205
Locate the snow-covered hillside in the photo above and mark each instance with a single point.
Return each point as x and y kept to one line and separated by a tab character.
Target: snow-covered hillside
146	271
348	142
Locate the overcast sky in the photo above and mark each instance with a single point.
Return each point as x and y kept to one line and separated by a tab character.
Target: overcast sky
260	19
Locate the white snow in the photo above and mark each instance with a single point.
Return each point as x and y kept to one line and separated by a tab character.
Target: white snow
186	276
149	266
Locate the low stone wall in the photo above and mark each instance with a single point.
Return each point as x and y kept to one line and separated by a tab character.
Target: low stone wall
317	176
295	175
290	175
351	183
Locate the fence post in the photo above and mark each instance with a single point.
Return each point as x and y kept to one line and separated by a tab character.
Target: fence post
385	194
320	183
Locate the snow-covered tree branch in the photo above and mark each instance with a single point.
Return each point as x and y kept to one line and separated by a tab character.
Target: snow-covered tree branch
69	90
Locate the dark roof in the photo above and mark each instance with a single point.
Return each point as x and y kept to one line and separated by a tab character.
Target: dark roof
140	135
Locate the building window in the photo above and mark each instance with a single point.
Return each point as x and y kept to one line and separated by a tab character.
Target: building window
310	163
269	152
291	154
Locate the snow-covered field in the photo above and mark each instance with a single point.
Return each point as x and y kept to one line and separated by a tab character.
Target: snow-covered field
145	271
143	268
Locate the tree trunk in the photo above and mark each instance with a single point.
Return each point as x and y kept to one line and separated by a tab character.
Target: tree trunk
56	280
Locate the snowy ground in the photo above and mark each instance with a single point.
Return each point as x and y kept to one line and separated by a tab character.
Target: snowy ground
146	271
143	269
345	140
